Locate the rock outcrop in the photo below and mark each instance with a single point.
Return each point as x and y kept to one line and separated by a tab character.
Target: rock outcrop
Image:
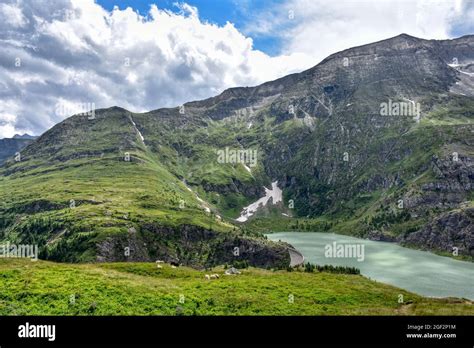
451	232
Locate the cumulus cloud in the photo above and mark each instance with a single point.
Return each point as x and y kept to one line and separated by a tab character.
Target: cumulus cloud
64	55
61	56
319	28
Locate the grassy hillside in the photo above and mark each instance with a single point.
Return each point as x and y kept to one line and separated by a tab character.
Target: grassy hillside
46	288
88	189
82	161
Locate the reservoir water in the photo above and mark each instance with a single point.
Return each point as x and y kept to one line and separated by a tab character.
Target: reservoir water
417	271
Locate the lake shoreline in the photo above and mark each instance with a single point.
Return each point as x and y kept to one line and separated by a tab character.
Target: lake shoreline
419	271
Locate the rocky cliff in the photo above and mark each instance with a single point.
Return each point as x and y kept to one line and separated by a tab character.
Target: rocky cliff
10	146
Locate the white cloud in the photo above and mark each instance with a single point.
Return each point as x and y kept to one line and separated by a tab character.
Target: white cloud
7	131
12	15
8	118
319	28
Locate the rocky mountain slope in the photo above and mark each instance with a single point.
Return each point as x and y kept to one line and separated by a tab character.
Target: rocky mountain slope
375	141
10	146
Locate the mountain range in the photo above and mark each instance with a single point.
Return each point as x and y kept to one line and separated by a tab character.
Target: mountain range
10	146
375	141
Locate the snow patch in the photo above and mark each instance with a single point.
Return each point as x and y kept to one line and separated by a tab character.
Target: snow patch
138	131
276	194
458	67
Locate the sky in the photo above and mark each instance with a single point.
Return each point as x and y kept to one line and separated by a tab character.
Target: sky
62	57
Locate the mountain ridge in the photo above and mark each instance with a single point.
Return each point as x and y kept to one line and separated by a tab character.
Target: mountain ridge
10	146
319	133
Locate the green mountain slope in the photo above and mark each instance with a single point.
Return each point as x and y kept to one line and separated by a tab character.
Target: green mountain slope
46	288
10	146
321	135
91	190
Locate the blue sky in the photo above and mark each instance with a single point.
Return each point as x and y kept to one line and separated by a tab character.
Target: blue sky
244	13
238	12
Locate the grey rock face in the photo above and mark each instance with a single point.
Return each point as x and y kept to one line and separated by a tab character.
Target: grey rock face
454	180
192	246
450	232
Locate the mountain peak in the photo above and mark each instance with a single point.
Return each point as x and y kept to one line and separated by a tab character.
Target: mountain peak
24	136
406	36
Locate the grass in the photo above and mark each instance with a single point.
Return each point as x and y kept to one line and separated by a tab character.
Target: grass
47	288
